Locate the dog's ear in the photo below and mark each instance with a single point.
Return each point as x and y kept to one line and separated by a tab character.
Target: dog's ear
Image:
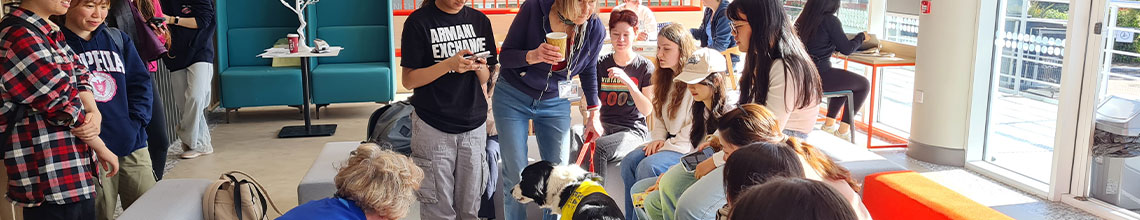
534	181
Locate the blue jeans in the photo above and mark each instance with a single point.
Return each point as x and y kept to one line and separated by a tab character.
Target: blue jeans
639	187
703	199
513	109
636	166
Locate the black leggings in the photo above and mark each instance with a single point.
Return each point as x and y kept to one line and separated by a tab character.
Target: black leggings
839	80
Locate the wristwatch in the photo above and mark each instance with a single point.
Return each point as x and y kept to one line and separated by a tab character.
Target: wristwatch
176	20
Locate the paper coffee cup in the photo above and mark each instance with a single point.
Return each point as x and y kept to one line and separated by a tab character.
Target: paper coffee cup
558	39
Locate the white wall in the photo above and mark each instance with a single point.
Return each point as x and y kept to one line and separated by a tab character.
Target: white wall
944	73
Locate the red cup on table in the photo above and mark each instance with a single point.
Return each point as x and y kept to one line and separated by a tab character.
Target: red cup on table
294	43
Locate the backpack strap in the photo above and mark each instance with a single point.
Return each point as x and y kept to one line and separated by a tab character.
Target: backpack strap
267	199
116	35
237	195
209	197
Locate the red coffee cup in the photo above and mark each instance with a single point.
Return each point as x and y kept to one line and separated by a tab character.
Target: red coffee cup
294	42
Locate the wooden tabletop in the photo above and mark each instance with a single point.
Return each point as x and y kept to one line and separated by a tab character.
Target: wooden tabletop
877	60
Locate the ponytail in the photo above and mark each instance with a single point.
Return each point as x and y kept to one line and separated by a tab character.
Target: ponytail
820	162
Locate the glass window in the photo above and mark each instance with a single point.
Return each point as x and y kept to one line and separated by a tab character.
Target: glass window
901	28
1022	118
1114	167
852	13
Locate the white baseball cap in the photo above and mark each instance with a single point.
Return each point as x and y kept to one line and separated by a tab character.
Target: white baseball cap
704	61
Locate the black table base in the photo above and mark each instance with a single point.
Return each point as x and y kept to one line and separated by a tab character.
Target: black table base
311	131
307	130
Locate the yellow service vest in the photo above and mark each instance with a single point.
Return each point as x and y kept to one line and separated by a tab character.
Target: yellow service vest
586	188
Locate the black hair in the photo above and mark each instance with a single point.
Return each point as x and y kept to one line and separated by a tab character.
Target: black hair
815	12
792	198
773	38
705	120
757	163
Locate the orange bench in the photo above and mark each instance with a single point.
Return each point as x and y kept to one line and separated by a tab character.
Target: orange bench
909	195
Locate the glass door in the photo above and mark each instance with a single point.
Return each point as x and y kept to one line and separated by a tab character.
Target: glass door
1111	167
1025	86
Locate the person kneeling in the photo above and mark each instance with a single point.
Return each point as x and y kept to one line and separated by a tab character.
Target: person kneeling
373	184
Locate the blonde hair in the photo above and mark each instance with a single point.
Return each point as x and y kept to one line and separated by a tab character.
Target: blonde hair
663	78
380	181
570	9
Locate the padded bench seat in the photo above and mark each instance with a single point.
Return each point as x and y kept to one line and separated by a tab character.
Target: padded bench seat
909	195
170	199
857	159
353	82
318	182
252	86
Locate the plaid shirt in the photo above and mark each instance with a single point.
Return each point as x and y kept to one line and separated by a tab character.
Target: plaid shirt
44	161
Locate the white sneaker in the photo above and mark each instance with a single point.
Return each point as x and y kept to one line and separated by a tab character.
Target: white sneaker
829	129
844	136
191	154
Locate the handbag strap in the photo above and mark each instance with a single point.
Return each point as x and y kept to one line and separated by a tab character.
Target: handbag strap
268	200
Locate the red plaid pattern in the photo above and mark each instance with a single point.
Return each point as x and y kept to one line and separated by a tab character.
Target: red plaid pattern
44	161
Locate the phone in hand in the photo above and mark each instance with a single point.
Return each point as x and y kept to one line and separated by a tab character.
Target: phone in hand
690	161
157	21
483	55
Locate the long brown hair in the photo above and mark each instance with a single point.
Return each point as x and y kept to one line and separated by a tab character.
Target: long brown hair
822	163
752	123
663	78
769	23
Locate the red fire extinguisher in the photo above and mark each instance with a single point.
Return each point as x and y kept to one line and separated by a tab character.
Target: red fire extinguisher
925	8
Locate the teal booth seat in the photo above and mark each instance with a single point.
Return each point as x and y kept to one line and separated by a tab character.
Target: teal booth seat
247	80
365	70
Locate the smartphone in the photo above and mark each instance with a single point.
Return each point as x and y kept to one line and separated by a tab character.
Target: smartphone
484	55
690	161
157	20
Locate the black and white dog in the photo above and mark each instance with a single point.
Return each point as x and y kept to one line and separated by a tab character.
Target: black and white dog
568	190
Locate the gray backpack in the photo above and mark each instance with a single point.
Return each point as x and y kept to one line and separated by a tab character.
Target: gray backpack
392	124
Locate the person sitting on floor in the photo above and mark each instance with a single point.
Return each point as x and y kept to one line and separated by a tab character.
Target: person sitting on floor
373	184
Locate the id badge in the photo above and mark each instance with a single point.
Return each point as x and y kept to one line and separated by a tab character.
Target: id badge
569	91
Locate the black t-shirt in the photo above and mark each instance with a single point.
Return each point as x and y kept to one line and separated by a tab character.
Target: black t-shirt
617	105
454	102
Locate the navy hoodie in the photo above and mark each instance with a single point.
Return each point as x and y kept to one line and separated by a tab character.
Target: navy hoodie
189	46
122	88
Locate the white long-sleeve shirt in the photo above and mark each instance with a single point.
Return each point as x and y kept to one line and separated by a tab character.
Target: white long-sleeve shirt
782	96
679	125
645	19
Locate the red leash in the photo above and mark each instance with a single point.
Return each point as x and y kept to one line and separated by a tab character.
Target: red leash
587	147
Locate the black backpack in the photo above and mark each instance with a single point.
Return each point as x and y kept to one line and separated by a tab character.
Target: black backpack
392	124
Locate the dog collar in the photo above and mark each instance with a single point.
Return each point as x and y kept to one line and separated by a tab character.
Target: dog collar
586	188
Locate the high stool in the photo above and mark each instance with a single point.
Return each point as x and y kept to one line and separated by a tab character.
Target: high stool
848	106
